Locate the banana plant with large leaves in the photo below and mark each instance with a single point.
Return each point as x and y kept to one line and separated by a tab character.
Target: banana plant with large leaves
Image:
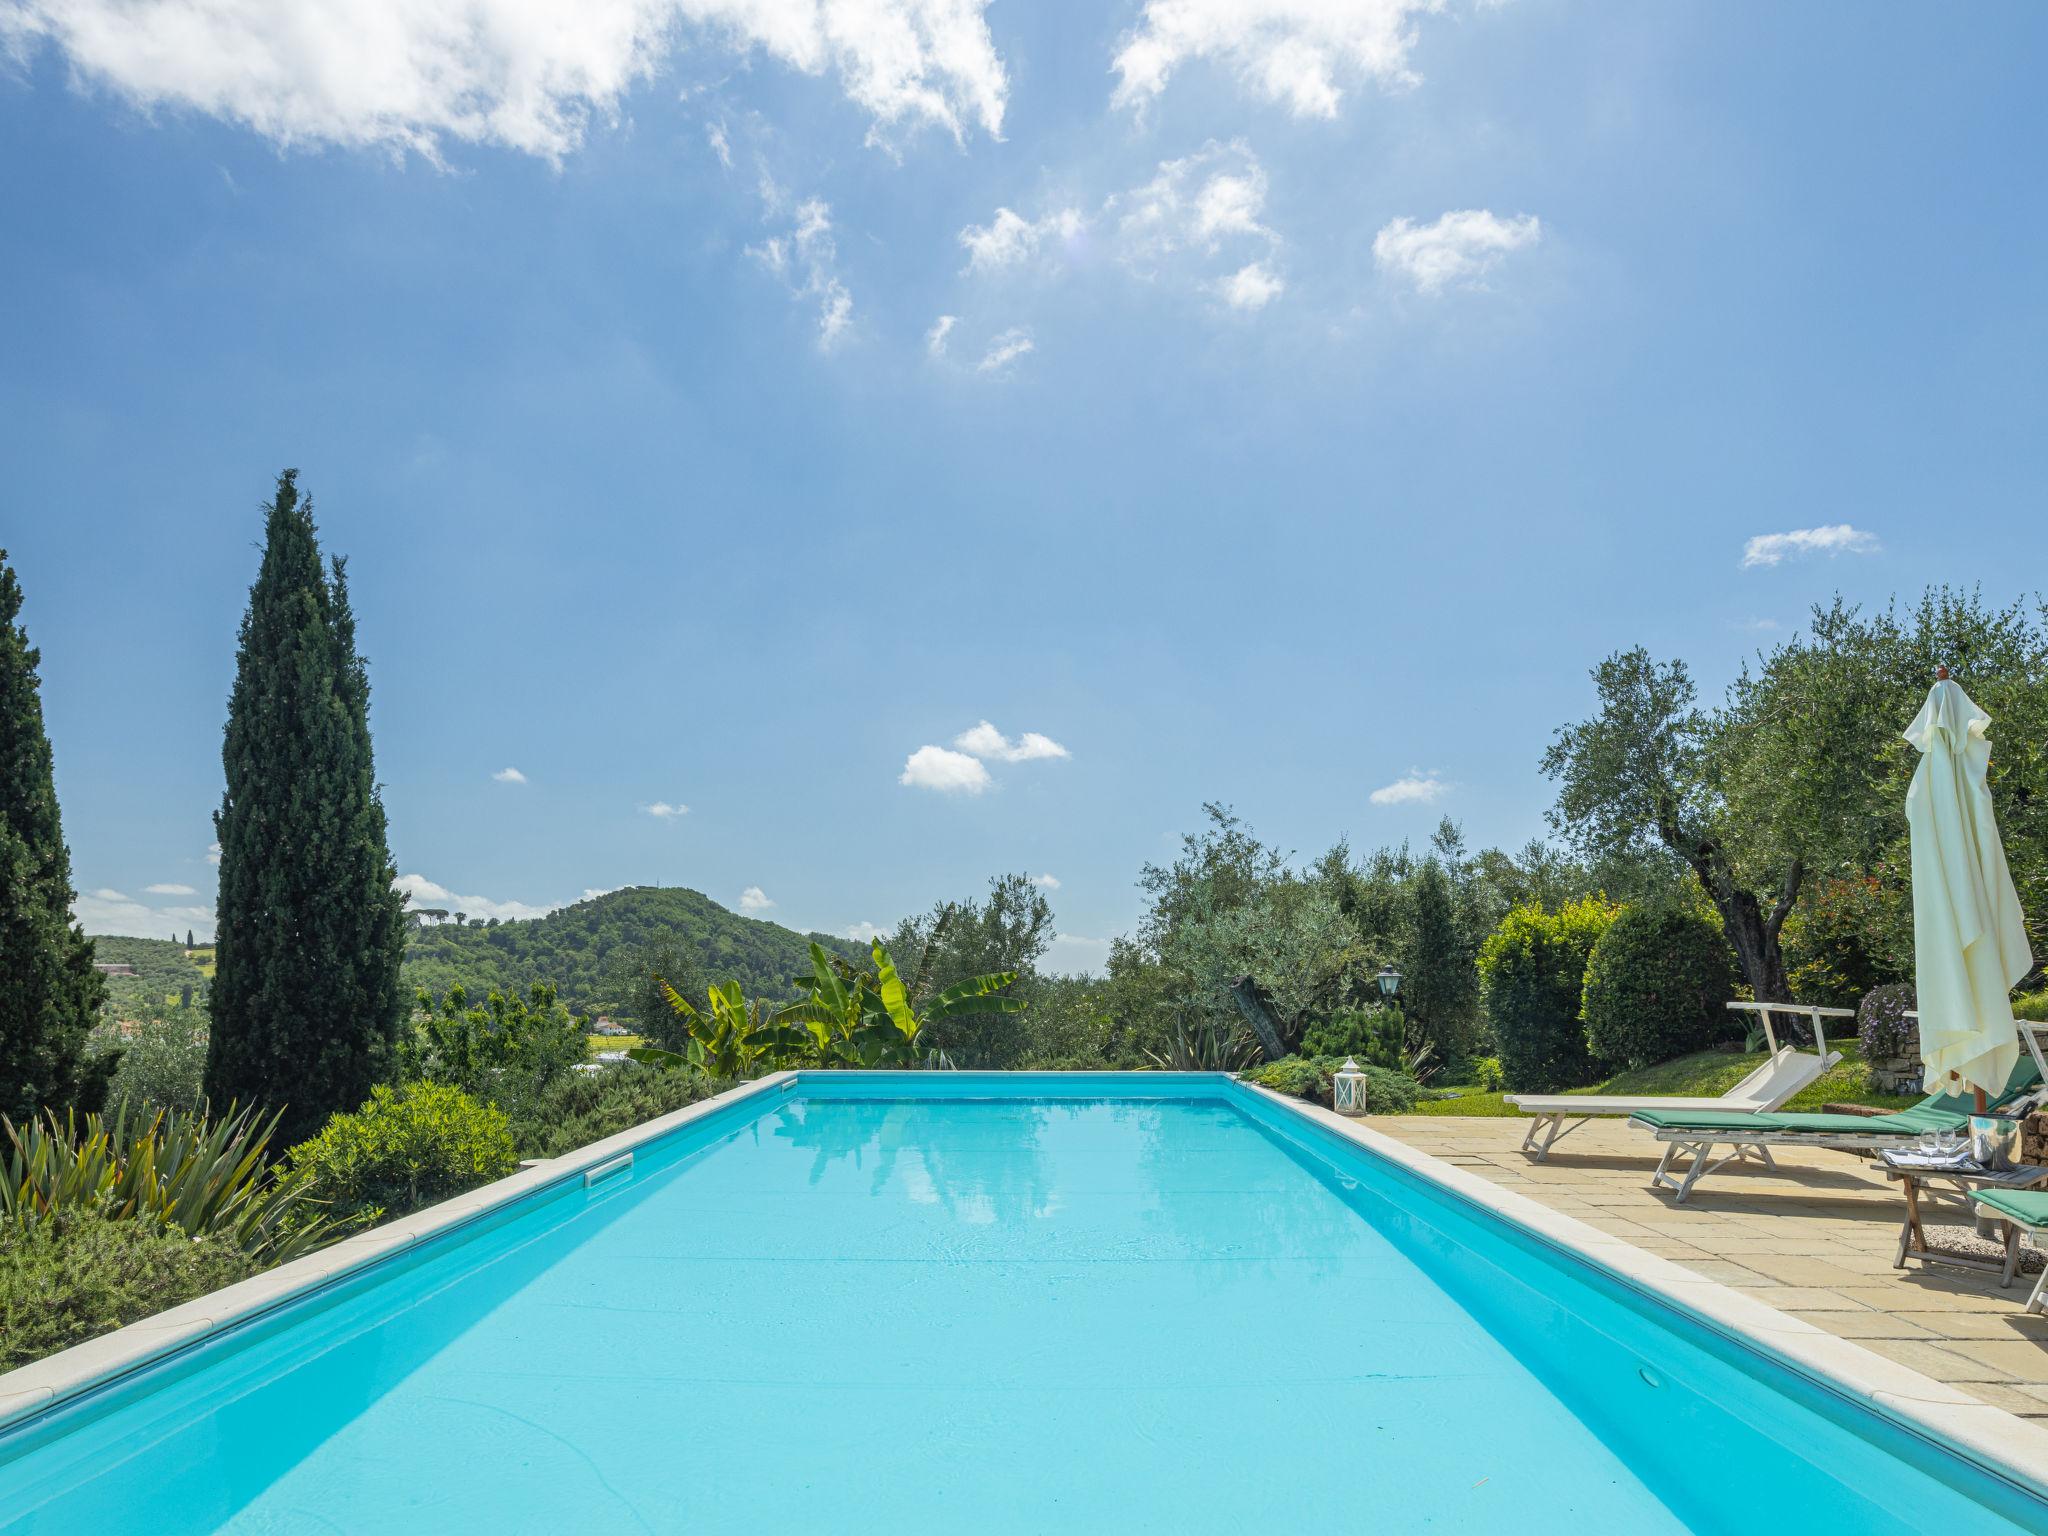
730	1037
858	1018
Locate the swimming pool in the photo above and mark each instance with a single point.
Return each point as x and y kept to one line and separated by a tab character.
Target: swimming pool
900	1302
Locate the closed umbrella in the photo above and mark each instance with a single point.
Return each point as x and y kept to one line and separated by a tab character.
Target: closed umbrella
1969	941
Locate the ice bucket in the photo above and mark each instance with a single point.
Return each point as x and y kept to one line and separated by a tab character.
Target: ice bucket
1993	1141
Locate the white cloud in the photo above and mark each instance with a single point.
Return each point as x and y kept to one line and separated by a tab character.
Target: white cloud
935	338
661	810
592	892
721	146
169	890
1293	52
805	260
411	74
1005	349
107	911
213	855
1416	787
1047	882
1459	247
1197	202
949	772
985	741
862	933
1069	954
1251	287
425	893
1010	239
1838	539
1758	626
509	776
754	899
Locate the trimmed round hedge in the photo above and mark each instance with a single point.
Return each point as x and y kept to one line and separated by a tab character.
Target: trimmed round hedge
1658	984
1532	974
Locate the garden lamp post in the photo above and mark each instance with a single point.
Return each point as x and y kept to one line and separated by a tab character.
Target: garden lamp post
1390	983
1348	1089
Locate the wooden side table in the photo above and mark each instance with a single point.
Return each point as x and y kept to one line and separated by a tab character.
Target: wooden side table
1953	1186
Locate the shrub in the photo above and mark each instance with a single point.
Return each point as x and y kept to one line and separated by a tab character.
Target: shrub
75	1275
161	1064
1881	1022
1657	986
1487	1075
1308	1077
406	1148
208	1178
506	1051
1847	936
589	1106
2032	1006
1375	1033
1532	973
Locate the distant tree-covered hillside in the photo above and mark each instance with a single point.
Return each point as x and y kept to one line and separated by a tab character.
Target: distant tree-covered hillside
163	974
598	951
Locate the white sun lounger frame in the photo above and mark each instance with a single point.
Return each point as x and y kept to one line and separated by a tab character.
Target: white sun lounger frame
1553	1111
1699	1145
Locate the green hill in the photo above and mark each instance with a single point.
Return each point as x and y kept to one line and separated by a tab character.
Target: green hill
162	972
591	951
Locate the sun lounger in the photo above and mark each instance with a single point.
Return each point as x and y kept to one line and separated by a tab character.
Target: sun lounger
2026	1209
1784	1072
1696	1134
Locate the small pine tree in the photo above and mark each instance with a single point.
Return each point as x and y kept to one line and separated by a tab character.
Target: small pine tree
50	995
305	1003
188	940
1440	986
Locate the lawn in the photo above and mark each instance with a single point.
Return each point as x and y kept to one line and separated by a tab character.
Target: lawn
1701	1075
600	1043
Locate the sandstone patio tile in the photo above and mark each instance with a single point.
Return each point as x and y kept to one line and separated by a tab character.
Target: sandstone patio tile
1936	1360
1805	1298
2019	1359
1728	1272
2006	1395
2004	1325
1871	1325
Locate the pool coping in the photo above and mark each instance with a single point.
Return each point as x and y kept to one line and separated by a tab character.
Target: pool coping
42	1385
1996	1441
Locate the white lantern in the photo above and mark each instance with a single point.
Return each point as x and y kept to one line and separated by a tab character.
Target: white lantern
1350	1085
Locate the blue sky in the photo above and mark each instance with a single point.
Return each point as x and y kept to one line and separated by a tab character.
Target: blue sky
1326	387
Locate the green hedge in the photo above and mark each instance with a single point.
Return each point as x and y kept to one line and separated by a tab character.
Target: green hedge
1532	974
1657	986
407	1148
589	1106
1308	1077
71	1277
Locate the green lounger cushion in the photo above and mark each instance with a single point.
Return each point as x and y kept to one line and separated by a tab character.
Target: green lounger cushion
1936	1112
2028	1207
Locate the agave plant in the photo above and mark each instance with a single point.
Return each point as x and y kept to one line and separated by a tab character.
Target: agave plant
207	1178
1206	1048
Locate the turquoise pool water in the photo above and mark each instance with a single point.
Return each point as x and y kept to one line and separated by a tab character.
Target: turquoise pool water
882	1305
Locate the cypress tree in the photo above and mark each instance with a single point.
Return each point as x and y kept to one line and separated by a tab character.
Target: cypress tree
305	1001
50	995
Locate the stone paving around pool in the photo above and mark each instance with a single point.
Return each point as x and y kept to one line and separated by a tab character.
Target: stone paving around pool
1816	1240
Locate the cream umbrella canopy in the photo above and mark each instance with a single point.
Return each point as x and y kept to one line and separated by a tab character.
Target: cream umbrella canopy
1969	940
